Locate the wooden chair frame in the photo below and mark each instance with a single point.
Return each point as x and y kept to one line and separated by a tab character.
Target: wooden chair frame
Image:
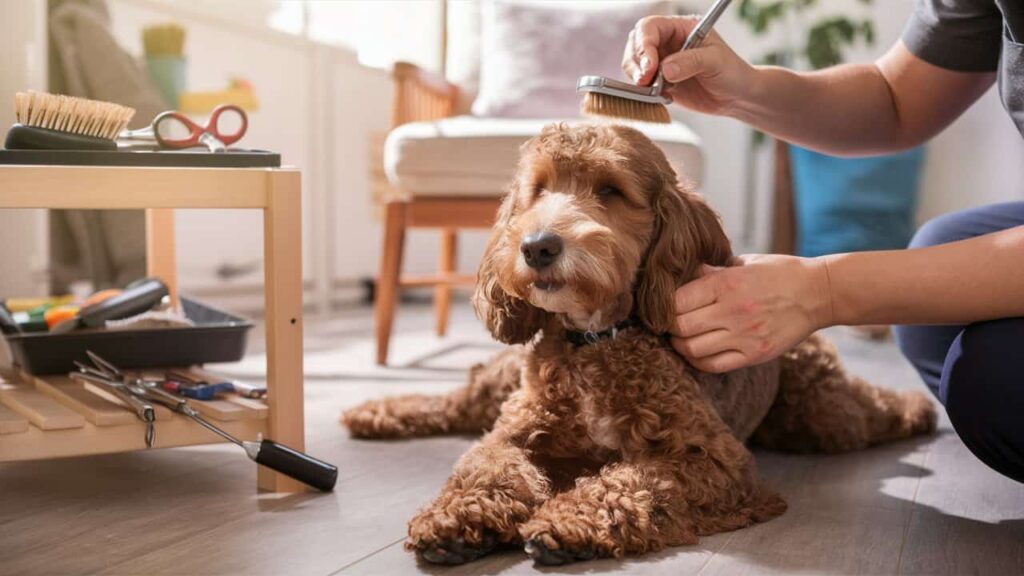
420	96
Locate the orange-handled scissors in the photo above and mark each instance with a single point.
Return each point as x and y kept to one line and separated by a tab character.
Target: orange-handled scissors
227	125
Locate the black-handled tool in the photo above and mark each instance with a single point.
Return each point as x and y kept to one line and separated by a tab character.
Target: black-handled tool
292	463
8	325
137	298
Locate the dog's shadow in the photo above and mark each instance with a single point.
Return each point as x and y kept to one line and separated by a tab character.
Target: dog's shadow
847	513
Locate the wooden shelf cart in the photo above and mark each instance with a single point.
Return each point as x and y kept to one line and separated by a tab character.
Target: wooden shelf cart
68	419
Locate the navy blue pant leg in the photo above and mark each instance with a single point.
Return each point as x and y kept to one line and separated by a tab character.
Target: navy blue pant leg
976	371
982	387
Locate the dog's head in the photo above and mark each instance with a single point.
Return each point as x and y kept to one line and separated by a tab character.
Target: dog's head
595	227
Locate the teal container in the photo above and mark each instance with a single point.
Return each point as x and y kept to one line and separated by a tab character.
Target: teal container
168	73
854	204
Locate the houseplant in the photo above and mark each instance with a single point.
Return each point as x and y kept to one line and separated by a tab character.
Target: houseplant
841	204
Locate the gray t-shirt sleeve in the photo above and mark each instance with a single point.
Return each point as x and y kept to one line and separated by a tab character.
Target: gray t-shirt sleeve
961	35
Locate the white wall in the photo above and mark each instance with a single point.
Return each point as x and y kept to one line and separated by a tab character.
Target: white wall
22	66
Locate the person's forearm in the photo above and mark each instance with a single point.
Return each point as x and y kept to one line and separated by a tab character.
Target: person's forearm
896	103
844	110
977	279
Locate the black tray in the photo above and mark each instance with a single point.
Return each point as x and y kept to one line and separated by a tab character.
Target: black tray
216	337
145	156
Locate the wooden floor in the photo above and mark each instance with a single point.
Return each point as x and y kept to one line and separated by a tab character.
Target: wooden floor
925	507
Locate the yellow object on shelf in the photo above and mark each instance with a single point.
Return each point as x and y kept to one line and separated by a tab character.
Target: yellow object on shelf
205	102
26	304
164	40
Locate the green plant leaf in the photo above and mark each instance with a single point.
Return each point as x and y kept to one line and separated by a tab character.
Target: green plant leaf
757	138
867	29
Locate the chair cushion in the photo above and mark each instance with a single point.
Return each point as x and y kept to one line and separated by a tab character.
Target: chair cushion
466	156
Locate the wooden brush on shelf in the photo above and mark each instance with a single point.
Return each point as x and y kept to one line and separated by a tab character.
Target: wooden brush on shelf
60	122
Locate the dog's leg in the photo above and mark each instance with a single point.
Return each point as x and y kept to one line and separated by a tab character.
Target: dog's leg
471	409
494	488
821	409
632	508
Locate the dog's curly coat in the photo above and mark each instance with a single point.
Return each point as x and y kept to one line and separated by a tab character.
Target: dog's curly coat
618	446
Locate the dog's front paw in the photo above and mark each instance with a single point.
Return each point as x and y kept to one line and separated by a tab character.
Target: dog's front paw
453	551
552	545
460	529
547	551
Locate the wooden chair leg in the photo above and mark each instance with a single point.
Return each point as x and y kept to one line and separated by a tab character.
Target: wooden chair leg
387	280
784	230
443	292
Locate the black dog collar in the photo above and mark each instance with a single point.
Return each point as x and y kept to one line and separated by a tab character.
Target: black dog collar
582	338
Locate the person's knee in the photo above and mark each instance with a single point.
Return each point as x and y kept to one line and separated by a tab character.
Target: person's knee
939	230
983	392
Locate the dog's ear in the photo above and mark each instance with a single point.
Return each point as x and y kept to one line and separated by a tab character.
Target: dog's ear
510	319
686	234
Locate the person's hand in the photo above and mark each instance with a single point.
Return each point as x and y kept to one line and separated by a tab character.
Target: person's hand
709	79
734	317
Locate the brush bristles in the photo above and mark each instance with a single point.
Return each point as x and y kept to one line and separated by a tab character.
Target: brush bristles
71	114
598	104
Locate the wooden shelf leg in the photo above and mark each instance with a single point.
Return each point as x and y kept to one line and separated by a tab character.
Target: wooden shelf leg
282	241
161	260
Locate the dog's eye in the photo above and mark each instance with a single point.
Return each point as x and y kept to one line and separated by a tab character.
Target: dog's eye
608	191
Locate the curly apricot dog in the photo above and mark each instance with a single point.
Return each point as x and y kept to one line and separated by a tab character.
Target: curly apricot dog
604	441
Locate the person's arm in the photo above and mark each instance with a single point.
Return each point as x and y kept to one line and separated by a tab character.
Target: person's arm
748	314
977	279
852	109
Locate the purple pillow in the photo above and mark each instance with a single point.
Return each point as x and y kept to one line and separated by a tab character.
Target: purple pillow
532	52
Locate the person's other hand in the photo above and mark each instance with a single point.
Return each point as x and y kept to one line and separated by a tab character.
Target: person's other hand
709	79
734	317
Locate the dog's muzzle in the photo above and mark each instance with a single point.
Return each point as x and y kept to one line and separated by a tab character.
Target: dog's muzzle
541	249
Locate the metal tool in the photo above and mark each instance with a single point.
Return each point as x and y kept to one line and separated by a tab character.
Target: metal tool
189	386
227	124
302	467
652	94
132	398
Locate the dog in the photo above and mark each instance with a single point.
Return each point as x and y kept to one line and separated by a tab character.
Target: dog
602	440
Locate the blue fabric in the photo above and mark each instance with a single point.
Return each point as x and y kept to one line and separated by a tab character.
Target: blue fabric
977	370
854	204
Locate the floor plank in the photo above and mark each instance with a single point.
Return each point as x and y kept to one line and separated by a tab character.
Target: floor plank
966	518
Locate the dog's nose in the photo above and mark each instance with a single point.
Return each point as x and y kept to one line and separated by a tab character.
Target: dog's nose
540	249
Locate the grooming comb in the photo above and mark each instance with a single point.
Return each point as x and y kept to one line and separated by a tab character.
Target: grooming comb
611	98
59	122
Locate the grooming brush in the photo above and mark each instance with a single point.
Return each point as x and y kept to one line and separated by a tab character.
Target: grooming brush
59	122
607	97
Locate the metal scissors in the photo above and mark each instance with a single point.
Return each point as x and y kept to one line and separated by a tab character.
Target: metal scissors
227	124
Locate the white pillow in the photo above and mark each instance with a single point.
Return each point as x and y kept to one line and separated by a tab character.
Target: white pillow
532	52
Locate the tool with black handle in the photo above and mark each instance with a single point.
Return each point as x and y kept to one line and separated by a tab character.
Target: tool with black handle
137	298
291	463
7	323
